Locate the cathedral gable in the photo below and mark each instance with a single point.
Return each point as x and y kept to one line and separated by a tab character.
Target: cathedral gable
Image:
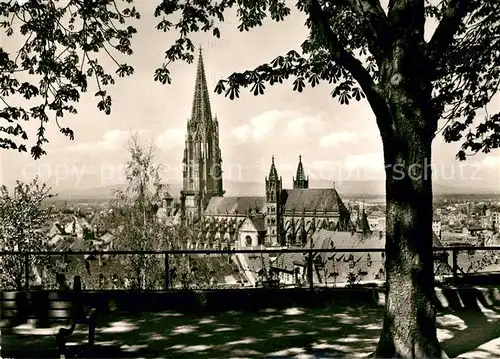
248	226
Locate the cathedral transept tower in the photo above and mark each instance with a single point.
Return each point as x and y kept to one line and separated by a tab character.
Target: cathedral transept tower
274	189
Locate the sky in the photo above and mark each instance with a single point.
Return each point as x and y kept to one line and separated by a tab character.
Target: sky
337	142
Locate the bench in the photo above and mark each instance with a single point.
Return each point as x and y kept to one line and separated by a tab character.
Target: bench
79	316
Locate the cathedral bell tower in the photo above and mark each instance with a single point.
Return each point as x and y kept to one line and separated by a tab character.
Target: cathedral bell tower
202	162
273	206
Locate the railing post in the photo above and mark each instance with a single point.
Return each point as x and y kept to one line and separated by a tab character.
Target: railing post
26	272
167	272
310	271
454	262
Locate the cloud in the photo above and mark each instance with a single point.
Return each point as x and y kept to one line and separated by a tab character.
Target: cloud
284	167
338	138
260	126
241	132
320	164
301	124
491	161
171	138
111	141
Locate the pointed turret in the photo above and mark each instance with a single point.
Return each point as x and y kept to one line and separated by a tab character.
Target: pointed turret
362	223
300	181
273	173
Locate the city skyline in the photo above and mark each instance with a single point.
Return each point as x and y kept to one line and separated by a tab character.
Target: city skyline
282	123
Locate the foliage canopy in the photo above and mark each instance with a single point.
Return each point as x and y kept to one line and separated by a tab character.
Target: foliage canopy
23	217
348	40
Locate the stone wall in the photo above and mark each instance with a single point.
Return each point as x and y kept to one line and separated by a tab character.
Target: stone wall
49	306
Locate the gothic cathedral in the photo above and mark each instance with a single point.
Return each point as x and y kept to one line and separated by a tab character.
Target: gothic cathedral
281	217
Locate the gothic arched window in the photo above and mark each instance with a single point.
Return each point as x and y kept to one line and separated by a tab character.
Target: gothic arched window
248	241
352	263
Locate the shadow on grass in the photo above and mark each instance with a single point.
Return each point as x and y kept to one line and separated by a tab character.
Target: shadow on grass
325	333
471	320
467	321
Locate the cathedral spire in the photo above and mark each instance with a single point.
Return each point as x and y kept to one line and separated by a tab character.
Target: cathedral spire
300	176
273	173
300	180
201	102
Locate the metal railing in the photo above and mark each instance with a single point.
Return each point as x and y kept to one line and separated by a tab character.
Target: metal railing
167	260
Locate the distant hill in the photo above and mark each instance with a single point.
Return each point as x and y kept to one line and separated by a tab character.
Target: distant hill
368	188
377	188
93	193
351	188
232	188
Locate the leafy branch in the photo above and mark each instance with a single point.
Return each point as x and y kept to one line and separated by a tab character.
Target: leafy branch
57	37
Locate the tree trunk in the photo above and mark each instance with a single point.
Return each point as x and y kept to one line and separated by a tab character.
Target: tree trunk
409	328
